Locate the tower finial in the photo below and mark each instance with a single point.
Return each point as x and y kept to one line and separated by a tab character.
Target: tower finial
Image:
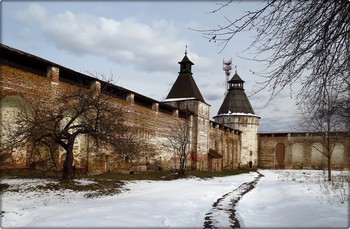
186	50
235	69
227	68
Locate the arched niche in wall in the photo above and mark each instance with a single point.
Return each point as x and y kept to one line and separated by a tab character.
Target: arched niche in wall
13	109
280	154
297	155
317	158
338	156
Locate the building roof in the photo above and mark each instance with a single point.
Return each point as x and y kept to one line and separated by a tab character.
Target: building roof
236	78
236	100
186	60
39	66
214	154
185	85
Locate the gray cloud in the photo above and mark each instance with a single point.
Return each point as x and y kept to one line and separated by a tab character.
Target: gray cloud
150	47
211	96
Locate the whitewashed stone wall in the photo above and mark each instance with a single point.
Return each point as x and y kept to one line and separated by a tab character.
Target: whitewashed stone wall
248	124
301	150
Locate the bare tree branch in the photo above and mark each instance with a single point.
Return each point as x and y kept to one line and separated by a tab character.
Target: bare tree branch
325	119
73	114
179	138
298	41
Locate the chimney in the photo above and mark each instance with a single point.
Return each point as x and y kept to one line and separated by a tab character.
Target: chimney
53	73
96	88
130	97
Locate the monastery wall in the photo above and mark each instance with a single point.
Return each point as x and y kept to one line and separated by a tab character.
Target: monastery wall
300	151
226	142
21	87
28	81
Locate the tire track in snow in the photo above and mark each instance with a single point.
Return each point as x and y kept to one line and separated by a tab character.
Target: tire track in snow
223	213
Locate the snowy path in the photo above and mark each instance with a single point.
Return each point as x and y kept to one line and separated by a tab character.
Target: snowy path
223	212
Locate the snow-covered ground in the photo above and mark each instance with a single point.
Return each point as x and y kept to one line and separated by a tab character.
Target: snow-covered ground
296	198
282	198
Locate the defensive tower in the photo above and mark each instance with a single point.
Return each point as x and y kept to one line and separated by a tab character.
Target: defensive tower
185	95
237	112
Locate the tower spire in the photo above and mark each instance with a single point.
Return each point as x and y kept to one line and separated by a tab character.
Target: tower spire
227	68
185	86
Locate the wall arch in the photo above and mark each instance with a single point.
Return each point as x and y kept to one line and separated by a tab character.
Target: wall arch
11	109
229	155
297	155
337	159
317	158
280	154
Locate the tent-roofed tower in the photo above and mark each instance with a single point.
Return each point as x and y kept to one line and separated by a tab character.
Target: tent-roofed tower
236	100
185	87
237	113
185	95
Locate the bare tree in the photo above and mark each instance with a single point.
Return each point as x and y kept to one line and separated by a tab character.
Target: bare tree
326	119
74	114
299	41
179	138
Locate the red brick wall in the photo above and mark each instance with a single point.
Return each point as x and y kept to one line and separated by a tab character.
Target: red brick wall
33	87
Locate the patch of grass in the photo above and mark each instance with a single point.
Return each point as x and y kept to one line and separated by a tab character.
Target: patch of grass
28	173
208	174
149	175
4	187
105	184
168	175
94	189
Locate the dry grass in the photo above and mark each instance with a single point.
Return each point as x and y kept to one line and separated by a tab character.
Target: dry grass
99	185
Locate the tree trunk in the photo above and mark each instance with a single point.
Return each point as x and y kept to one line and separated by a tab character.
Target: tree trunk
68	171
329	168
182	165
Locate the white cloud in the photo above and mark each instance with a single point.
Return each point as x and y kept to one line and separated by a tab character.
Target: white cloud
151	47
34	12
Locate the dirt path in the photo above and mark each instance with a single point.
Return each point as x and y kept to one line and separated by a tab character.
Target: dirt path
223	213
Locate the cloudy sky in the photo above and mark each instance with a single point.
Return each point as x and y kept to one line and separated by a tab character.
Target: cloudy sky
139	44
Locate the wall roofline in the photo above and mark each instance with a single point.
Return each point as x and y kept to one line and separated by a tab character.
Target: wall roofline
298	133
38	65
224	127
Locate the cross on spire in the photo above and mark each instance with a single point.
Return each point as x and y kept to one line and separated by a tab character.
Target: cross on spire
186	50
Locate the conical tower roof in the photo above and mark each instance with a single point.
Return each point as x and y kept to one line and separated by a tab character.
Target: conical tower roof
185	86
236	79
236	100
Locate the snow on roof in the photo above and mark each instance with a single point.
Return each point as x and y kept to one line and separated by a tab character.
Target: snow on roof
237	114
178	99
